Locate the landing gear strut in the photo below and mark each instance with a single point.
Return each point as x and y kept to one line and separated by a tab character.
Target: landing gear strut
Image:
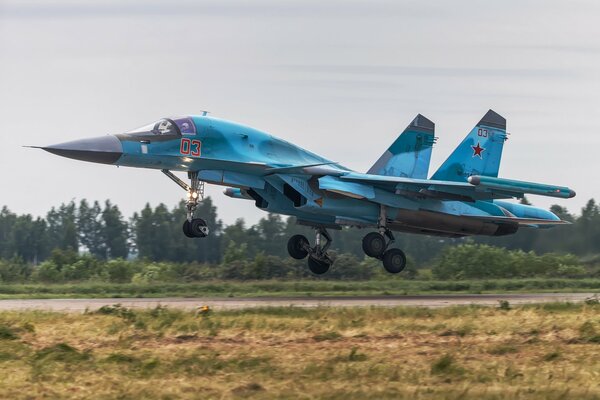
192	227
374	245
318	259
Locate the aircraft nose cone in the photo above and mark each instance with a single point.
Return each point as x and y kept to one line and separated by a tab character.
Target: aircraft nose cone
104	149
572	193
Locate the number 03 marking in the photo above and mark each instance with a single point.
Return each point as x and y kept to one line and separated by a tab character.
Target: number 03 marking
190	147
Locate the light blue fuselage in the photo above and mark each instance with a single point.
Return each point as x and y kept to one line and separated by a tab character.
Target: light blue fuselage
272	172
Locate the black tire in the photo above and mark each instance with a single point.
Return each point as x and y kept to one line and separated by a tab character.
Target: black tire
186	229
196	227
394	261
373	244
318	267
296	247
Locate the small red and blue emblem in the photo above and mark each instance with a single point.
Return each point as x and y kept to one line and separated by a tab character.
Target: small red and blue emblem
478	150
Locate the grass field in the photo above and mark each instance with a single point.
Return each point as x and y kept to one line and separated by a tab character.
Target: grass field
294	288
549	351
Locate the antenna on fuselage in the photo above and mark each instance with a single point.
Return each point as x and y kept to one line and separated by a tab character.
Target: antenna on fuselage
204	113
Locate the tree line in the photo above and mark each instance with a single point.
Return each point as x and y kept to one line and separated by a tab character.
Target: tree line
154	234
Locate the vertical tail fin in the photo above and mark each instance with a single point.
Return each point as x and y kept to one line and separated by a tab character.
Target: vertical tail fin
410	154
479	153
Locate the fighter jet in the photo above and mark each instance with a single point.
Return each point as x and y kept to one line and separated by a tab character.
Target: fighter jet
463	197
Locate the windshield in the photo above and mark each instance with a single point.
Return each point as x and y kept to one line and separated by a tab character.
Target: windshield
163	127
167	127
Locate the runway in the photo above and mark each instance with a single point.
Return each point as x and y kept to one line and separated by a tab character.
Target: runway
433	301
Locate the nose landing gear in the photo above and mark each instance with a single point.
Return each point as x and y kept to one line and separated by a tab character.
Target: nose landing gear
195	229
318	259
192	227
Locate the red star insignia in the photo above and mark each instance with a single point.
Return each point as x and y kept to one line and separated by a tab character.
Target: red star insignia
477	150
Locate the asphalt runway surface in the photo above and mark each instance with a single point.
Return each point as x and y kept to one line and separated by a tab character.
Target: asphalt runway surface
433	301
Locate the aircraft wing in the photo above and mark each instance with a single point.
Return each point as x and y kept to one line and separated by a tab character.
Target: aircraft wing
478	187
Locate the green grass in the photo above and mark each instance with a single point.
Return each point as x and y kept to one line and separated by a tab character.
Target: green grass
304	288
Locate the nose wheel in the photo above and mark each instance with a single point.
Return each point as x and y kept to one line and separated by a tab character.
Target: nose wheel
195	229
192	227
318	259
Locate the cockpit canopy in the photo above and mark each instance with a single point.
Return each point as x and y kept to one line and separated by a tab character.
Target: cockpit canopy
167	127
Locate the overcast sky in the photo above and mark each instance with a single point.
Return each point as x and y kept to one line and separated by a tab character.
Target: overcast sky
341	78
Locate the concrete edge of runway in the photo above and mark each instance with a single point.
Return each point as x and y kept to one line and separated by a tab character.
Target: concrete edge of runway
430	301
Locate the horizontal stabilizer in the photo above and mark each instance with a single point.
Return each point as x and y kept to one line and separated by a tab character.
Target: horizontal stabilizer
522	221
509	185
455	190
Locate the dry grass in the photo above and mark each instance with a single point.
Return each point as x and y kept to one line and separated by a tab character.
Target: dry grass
534	352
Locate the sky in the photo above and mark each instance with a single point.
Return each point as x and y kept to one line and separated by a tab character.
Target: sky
340	78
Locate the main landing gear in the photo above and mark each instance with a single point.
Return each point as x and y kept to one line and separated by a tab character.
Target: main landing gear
192	227
375	244
318	259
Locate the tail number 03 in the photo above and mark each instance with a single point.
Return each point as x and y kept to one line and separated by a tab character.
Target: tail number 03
190	147
484	133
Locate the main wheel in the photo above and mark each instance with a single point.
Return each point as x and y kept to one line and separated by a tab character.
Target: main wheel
198	228
394	261
297	247
318	267
373	244
187	229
